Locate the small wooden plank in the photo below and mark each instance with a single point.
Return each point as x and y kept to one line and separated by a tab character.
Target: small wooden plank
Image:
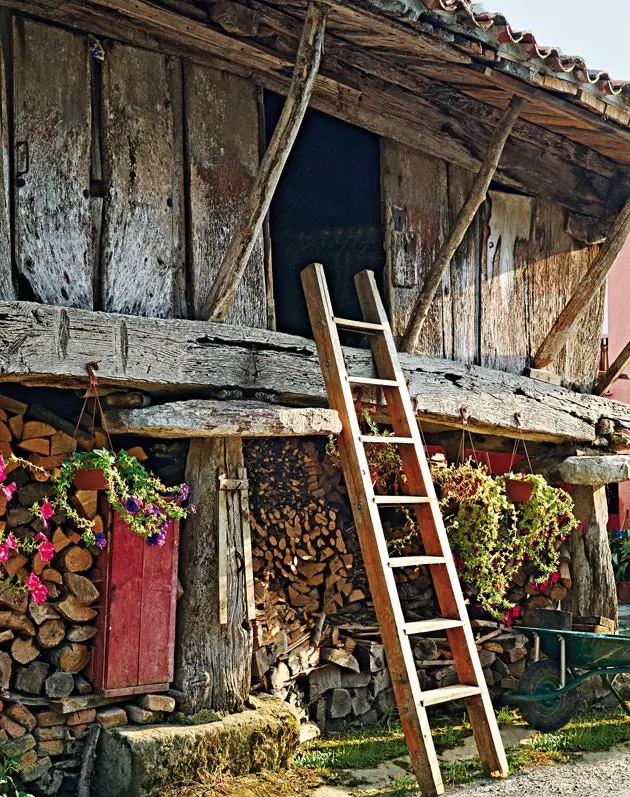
223	158
415	198
250	601
52	134
7	289
614	372
142	252
222	551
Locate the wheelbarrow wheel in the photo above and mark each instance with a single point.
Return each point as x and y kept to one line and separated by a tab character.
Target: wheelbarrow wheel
546	714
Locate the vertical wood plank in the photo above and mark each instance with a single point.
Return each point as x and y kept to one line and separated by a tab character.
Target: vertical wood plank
554	273
223	157
157	621
7	289
123	648
213	662
504	291
415	202
465	270
52	119
142	249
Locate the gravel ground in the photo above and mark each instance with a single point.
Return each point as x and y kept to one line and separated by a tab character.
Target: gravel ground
597	775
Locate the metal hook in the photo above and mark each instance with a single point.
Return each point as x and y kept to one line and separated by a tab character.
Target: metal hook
517	418
464	414
91	368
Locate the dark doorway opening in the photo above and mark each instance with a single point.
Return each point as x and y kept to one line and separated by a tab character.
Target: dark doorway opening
327	209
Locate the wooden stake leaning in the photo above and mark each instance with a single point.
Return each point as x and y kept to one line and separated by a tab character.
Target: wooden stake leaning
464	219
614	371
586	291
271	167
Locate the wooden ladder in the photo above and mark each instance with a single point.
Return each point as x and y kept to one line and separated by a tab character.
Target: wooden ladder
380	566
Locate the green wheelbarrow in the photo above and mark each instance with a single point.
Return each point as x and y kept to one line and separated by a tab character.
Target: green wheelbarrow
546	696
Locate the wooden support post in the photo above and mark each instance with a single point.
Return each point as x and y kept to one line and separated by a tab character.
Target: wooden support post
272	165
586	291
614	372
464	219
213	659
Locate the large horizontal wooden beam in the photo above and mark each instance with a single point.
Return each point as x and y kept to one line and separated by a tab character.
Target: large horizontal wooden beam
405	110
41	345
589	470
212	418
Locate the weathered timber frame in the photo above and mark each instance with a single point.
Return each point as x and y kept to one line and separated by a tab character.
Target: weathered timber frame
608	379
586	291
240	249
464	219
41	345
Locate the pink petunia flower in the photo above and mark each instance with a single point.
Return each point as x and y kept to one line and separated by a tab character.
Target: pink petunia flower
9	489
11	543
32	582
47	510
4	552
39	594
46	551
3	469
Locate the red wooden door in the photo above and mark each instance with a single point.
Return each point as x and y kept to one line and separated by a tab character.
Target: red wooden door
135	644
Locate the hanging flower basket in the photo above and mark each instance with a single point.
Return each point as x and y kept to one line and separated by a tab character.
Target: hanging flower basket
90	479
519	491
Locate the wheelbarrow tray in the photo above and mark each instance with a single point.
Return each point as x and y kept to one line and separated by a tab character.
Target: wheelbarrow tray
584	650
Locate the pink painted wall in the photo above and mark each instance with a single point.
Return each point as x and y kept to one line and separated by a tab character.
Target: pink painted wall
618	337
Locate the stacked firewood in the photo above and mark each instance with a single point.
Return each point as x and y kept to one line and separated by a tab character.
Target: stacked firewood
530	595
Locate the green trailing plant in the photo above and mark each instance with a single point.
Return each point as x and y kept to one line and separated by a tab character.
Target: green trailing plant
144	503
620	551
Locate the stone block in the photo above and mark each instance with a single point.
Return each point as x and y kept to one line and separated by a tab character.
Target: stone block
20	714
28	759
78	731
138	761
53	747
46	718
48	734
142	716
84	717
17	747
158	703
112	717
13	729
39	768
50	783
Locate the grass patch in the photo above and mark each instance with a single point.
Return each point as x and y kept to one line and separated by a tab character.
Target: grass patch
362	748
292	783
588	732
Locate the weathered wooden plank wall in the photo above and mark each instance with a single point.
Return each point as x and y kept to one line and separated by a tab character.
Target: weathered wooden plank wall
52	133
7	289
223	156
143	257
508	281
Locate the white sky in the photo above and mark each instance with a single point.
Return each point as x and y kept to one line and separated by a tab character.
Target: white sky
598	30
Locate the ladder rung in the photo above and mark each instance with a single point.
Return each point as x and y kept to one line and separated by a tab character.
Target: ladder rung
363	326
434	696
375	438
427	626
401	500
368	380
415	561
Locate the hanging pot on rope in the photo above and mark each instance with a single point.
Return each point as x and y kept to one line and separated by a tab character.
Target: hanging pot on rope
90	479
519	491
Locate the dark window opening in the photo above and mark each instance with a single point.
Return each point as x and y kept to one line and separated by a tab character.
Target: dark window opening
327	209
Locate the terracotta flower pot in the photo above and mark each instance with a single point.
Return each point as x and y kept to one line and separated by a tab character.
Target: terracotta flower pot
623	591
518	491
90	480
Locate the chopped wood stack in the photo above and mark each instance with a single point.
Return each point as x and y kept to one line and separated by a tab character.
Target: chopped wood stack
530	595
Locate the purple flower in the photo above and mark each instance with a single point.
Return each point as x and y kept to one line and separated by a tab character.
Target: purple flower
164	527
192	508
156	540
101	540
132	505
184	491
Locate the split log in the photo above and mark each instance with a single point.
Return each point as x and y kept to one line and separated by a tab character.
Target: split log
40	612
272	165
586	291
50	634
73	609
70	658
17	622
77	560
80	633
464	219
59	685
6	666
24	651
82	588
85	502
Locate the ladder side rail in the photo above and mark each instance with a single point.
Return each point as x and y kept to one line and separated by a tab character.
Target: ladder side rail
373	545
431	524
